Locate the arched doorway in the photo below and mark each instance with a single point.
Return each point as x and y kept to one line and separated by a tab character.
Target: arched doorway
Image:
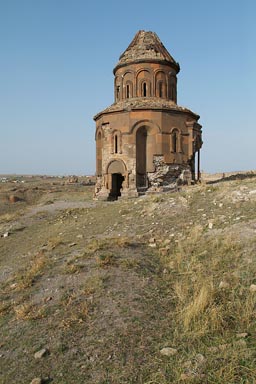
116	187
141	157
116	171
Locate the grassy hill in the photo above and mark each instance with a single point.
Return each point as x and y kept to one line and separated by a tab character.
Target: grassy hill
154	290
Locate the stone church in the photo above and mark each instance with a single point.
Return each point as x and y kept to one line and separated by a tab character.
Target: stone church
145	141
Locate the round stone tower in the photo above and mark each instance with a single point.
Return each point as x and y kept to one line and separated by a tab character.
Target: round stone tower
145	142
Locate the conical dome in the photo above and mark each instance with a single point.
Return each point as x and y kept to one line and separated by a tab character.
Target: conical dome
146	47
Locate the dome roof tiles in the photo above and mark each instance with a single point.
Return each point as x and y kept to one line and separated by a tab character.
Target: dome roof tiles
146	46
136	103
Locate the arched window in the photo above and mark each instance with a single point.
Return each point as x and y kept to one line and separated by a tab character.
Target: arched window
118	92
160	89
174	141
115	144
127	91
144	89
173	92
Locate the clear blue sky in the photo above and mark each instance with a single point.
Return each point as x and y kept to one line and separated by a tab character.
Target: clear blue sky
56	62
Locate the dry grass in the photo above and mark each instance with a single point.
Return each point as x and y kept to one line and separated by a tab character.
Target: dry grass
77	316
28	311
107	243
7	217
92	285
27	277
5	307
106	259
54	242
210	279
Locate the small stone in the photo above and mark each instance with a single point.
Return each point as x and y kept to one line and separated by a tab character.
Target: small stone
79	236
224	285
47	299
6	234
200	359
37	380
186	376
72	244
210	225
153	245
152	240
168	351
13	199
253	288
242	335
41	353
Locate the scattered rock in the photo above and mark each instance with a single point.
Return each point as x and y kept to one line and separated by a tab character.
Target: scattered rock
152	242
242	335
168	351
210	225
163	251
47	299
72	180
224	285
185	376
253	288
41	353
14	199
37	380
6	234
200	359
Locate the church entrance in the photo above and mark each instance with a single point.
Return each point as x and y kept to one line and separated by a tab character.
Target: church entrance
117	181
116	171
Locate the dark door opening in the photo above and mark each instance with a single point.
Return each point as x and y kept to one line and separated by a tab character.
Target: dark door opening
117	181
